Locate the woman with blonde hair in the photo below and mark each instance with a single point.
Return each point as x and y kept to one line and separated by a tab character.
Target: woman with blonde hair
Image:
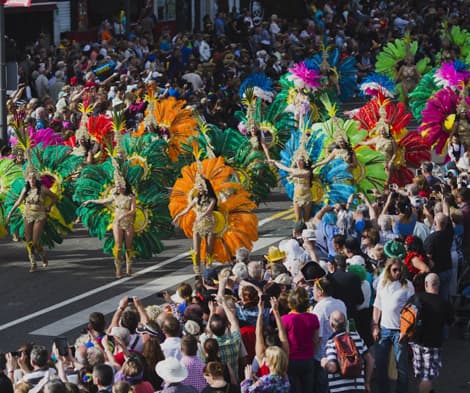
277	380
393	291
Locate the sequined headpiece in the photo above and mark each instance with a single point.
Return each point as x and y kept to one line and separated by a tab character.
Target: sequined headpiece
338	132
301	153
382	121
119	179
199	180
30	169
462	107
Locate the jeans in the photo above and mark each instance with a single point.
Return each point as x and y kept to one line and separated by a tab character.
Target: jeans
444	286
389	338
301	375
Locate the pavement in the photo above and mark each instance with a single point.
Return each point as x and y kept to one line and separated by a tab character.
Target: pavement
80	279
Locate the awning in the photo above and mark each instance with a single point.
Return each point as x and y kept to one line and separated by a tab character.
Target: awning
36	6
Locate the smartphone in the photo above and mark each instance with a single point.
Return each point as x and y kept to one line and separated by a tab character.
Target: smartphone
130	299
419	172
15	354
369	191
160	294
62	345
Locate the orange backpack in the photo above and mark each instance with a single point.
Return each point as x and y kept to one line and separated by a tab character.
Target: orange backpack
349	359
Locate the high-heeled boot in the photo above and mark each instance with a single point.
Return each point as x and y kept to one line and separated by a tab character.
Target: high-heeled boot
196	264
129	261
42	254
118	262
31	256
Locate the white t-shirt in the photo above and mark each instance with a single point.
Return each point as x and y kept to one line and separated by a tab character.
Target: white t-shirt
390	300
322	310
366	291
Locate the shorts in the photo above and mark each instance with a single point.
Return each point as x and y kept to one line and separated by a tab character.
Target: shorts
426	362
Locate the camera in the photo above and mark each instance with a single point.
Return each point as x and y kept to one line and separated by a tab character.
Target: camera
15	354
61	344
160	294
130	299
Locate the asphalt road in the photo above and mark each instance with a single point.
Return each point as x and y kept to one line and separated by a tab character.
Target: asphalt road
35	307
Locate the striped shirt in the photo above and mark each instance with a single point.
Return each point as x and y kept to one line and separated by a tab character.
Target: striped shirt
336	382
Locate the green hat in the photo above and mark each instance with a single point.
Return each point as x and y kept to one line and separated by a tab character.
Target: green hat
394	249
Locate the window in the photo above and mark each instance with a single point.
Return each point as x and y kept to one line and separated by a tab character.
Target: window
165	9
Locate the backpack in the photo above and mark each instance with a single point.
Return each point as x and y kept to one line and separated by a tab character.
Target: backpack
411	322
349	359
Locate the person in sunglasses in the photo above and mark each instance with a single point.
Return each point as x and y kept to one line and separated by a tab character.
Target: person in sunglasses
393	291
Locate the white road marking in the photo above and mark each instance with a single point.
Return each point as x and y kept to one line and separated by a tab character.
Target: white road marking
63	325
73	321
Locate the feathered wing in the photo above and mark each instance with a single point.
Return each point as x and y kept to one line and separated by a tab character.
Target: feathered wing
412	151
249	166
152	221
375	83
397	117
236	224
452	74
438	118
175	122
425	88
44	137
391	55
9	172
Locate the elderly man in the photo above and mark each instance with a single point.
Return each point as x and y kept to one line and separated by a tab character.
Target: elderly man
336	381
436	313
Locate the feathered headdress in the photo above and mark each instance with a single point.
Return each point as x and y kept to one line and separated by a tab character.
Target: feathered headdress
82	132
250	101
150	120
462	107
338	133
30	169
301	153
119	179
303	77
199	180
382	121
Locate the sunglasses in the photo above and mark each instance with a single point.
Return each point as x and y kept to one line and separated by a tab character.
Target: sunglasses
395	270
365	236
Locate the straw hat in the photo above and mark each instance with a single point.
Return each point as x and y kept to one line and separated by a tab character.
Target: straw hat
274	254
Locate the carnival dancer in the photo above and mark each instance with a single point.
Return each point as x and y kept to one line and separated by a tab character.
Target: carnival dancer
36	207
408	75
124	205
384	142
203	203
340	149
213	211
301	175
